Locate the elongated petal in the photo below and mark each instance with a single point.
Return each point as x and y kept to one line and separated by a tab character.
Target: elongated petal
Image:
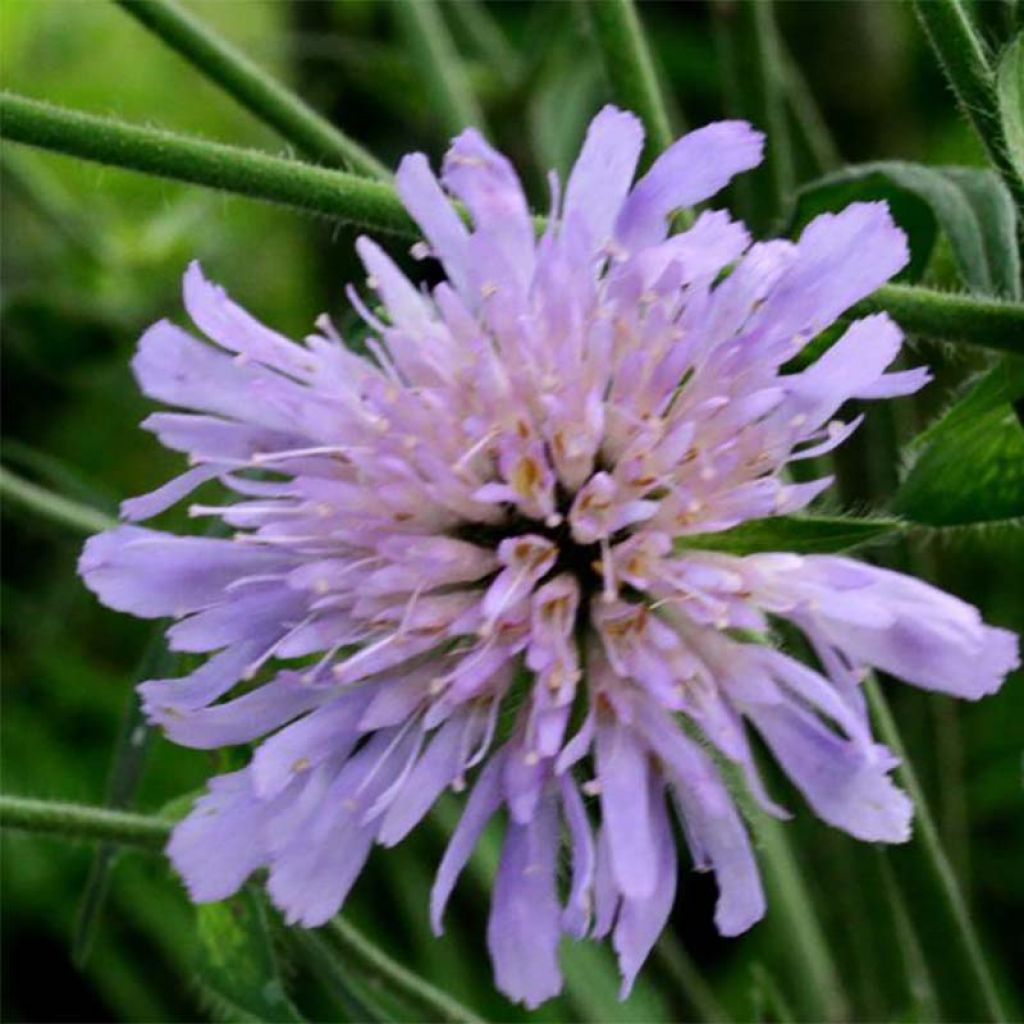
523	929
603	172
239	720
152	574
841	258
714	829
578	905
232	327
423	198
622	769
641	921
483	802
692	169
434	771
215	848
847	786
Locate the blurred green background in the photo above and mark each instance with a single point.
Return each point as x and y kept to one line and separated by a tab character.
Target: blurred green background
90	256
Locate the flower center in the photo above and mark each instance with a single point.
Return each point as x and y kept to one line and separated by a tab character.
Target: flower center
583	561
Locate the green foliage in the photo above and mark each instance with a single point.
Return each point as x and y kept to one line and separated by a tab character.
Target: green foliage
237	966
807	535
93	254
1010	86
972	208
968	467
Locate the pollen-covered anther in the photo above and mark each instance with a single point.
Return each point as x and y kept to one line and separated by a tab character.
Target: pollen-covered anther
526	477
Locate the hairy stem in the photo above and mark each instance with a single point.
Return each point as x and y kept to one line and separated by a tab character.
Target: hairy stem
991	323
346	197
79	821
375	206
962	54
252	87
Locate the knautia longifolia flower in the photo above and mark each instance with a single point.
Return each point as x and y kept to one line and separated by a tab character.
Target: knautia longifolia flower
470	550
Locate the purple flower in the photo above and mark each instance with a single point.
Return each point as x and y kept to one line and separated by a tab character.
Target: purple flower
499	498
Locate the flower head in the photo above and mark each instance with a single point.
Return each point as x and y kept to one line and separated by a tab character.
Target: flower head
508	493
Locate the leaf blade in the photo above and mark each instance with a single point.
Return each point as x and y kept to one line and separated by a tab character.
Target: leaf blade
968	466
796	534
237	965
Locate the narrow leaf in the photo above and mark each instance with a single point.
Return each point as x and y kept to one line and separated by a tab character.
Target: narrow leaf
799	534
1010	93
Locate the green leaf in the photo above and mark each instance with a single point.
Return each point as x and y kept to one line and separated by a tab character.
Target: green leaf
968	467
971	207
804	535
1010	92
237	966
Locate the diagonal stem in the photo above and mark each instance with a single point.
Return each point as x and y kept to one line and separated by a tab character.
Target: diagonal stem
440	64
943	877
252	87
346	197
961	52
372	962
630	69
755	85
375	206
55	507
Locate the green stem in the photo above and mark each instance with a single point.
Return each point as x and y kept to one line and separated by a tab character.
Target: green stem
942	875
440	64
55	507
347	197
755	83
487	38
375	206
807	115
962	54
630	69
79	821
251	86
991	323
920	987
434	1004
679	968
823	990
